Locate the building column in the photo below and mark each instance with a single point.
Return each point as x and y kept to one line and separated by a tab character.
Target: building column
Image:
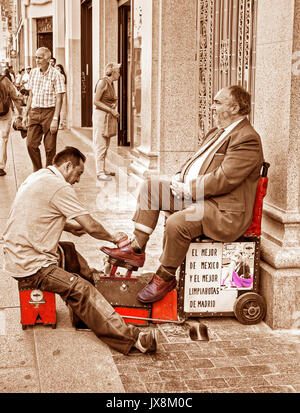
277	108
168	70
59	31
97	39
110	14
73	65
105	36
26	36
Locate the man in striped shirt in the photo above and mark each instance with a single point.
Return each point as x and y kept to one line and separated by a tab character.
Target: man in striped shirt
47	88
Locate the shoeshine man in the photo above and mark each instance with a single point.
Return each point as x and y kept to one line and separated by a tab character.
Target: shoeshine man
45	206
212	194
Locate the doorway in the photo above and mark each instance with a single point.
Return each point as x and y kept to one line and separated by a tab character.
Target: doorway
124	135
44	33
86	63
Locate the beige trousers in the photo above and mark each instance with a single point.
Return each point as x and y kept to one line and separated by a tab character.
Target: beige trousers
5	124
100	143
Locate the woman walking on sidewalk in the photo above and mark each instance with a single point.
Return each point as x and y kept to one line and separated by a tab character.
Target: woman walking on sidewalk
63	112
105	117
8	94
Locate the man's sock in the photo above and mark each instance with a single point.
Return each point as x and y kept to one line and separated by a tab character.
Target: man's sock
166	273
136	247
140	241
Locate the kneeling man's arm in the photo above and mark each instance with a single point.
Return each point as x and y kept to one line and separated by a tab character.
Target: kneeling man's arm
94	228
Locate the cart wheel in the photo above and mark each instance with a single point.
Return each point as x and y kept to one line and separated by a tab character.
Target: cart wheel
250	308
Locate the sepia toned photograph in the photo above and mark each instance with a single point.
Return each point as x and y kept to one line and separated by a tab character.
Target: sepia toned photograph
150	200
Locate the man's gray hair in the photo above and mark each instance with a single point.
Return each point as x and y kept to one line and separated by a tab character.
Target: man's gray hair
46	52
242	98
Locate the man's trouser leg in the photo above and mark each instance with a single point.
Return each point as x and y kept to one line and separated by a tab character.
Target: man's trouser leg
100	143
178	234
5	124
88	304
72	261
39	125
155	195
182	226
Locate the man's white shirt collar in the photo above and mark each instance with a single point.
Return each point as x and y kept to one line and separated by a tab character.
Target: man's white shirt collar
232	126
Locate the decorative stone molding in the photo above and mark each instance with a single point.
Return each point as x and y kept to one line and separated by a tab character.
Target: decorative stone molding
224	55
225	51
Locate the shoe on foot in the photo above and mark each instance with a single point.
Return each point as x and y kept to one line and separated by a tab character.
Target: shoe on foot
104	177
147	341
125	255
2	172
156	289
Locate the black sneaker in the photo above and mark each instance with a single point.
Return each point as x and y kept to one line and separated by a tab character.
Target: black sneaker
2	172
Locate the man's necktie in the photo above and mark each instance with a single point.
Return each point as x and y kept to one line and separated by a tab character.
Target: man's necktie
211	141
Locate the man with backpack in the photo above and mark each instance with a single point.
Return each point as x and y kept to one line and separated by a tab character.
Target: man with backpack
8	94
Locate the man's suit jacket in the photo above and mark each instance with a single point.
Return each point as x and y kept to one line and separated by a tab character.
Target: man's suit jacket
227	181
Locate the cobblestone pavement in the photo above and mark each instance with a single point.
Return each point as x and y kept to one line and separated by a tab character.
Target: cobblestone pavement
236	359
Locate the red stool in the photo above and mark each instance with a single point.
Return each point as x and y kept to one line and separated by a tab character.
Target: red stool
37	307
166	308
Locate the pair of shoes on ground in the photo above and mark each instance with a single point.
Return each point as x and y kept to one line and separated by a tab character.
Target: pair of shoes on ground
157	287
2	172
107	176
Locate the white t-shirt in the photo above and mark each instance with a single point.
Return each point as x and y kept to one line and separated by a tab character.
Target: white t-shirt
36	221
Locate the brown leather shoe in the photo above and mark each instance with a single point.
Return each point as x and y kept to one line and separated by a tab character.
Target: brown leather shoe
125	256
156	289
2	172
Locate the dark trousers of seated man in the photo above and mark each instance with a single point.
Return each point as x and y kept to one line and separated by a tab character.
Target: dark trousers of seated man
75	286
184	223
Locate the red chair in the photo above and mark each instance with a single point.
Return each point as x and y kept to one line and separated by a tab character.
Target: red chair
255	226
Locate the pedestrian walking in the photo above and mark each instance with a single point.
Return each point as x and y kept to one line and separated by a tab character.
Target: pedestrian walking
25	80
63	112
8	74
8	94
46	89
19	78
105	118
53	61
24	87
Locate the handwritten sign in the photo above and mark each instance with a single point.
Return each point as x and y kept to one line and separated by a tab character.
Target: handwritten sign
203	291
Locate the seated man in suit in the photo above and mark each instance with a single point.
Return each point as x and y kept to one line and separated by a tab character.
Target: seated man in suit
213	194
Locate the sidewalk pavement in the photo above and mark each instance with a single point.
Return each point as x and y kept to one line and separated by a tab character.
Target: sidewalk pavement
236	359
